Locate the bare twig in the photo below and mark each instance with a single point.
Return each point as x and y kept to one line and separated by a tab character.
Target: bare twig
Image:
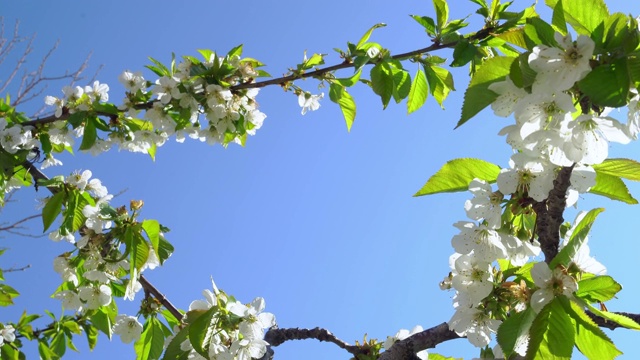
14	269
33	82
12	228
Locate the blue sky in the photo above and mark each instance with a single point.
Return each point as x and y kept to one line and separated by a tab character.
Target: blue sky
318	221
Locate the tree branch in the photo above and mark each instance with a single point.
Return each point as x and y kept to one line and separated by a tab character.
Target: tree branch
318	73
549	214
277	337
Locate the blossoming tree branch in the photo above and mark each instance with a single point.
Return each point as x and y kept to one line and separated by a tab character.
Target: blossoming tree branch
522	274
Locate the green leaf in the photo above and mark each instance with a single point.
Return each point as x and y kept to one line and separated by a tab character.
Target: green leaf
616	32
478	96
612	187
616	318
150	344
590	339
174	351
236	51
442	13
418	93
9	353
434	356
7	294
366	35
463	53
514	331
607	84
578	237
74	219
624	168
165	249
45	352
102	322
584	18
539	32
598	289
552	335
90	134
52	209
514	37
139	249
440	82
58	344
557	21
92	335
402	84
456	175
201	331
350	81
152	229
427	23
382	82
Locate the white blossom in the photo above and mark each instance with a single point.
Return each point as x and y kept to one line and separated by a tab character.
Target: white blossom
485	203
485	243
7	334
70	300
560	68
309	102
128	327
550	284
95	296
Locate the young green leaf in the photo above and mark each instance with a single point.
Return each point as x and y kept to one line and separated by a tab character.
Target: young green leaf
440	82
442	13
598	289
90	134
557	21
583	18
624	168
612	187
513	333
607	84
578	237
590	339
52	209
456	175
418	93
152	229
366	35
463	53
427	23
402	84
151	342
201	330
340	96
382	82
478	96
552	335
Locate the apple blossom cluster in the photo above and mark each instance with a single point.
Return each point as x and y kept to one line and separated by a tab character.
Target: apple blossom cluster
549	133
195	99
98	265
239	333
7	334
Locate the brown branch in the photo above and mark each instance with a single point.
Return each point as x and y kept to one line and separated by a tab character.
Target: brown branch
549	214
277	337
